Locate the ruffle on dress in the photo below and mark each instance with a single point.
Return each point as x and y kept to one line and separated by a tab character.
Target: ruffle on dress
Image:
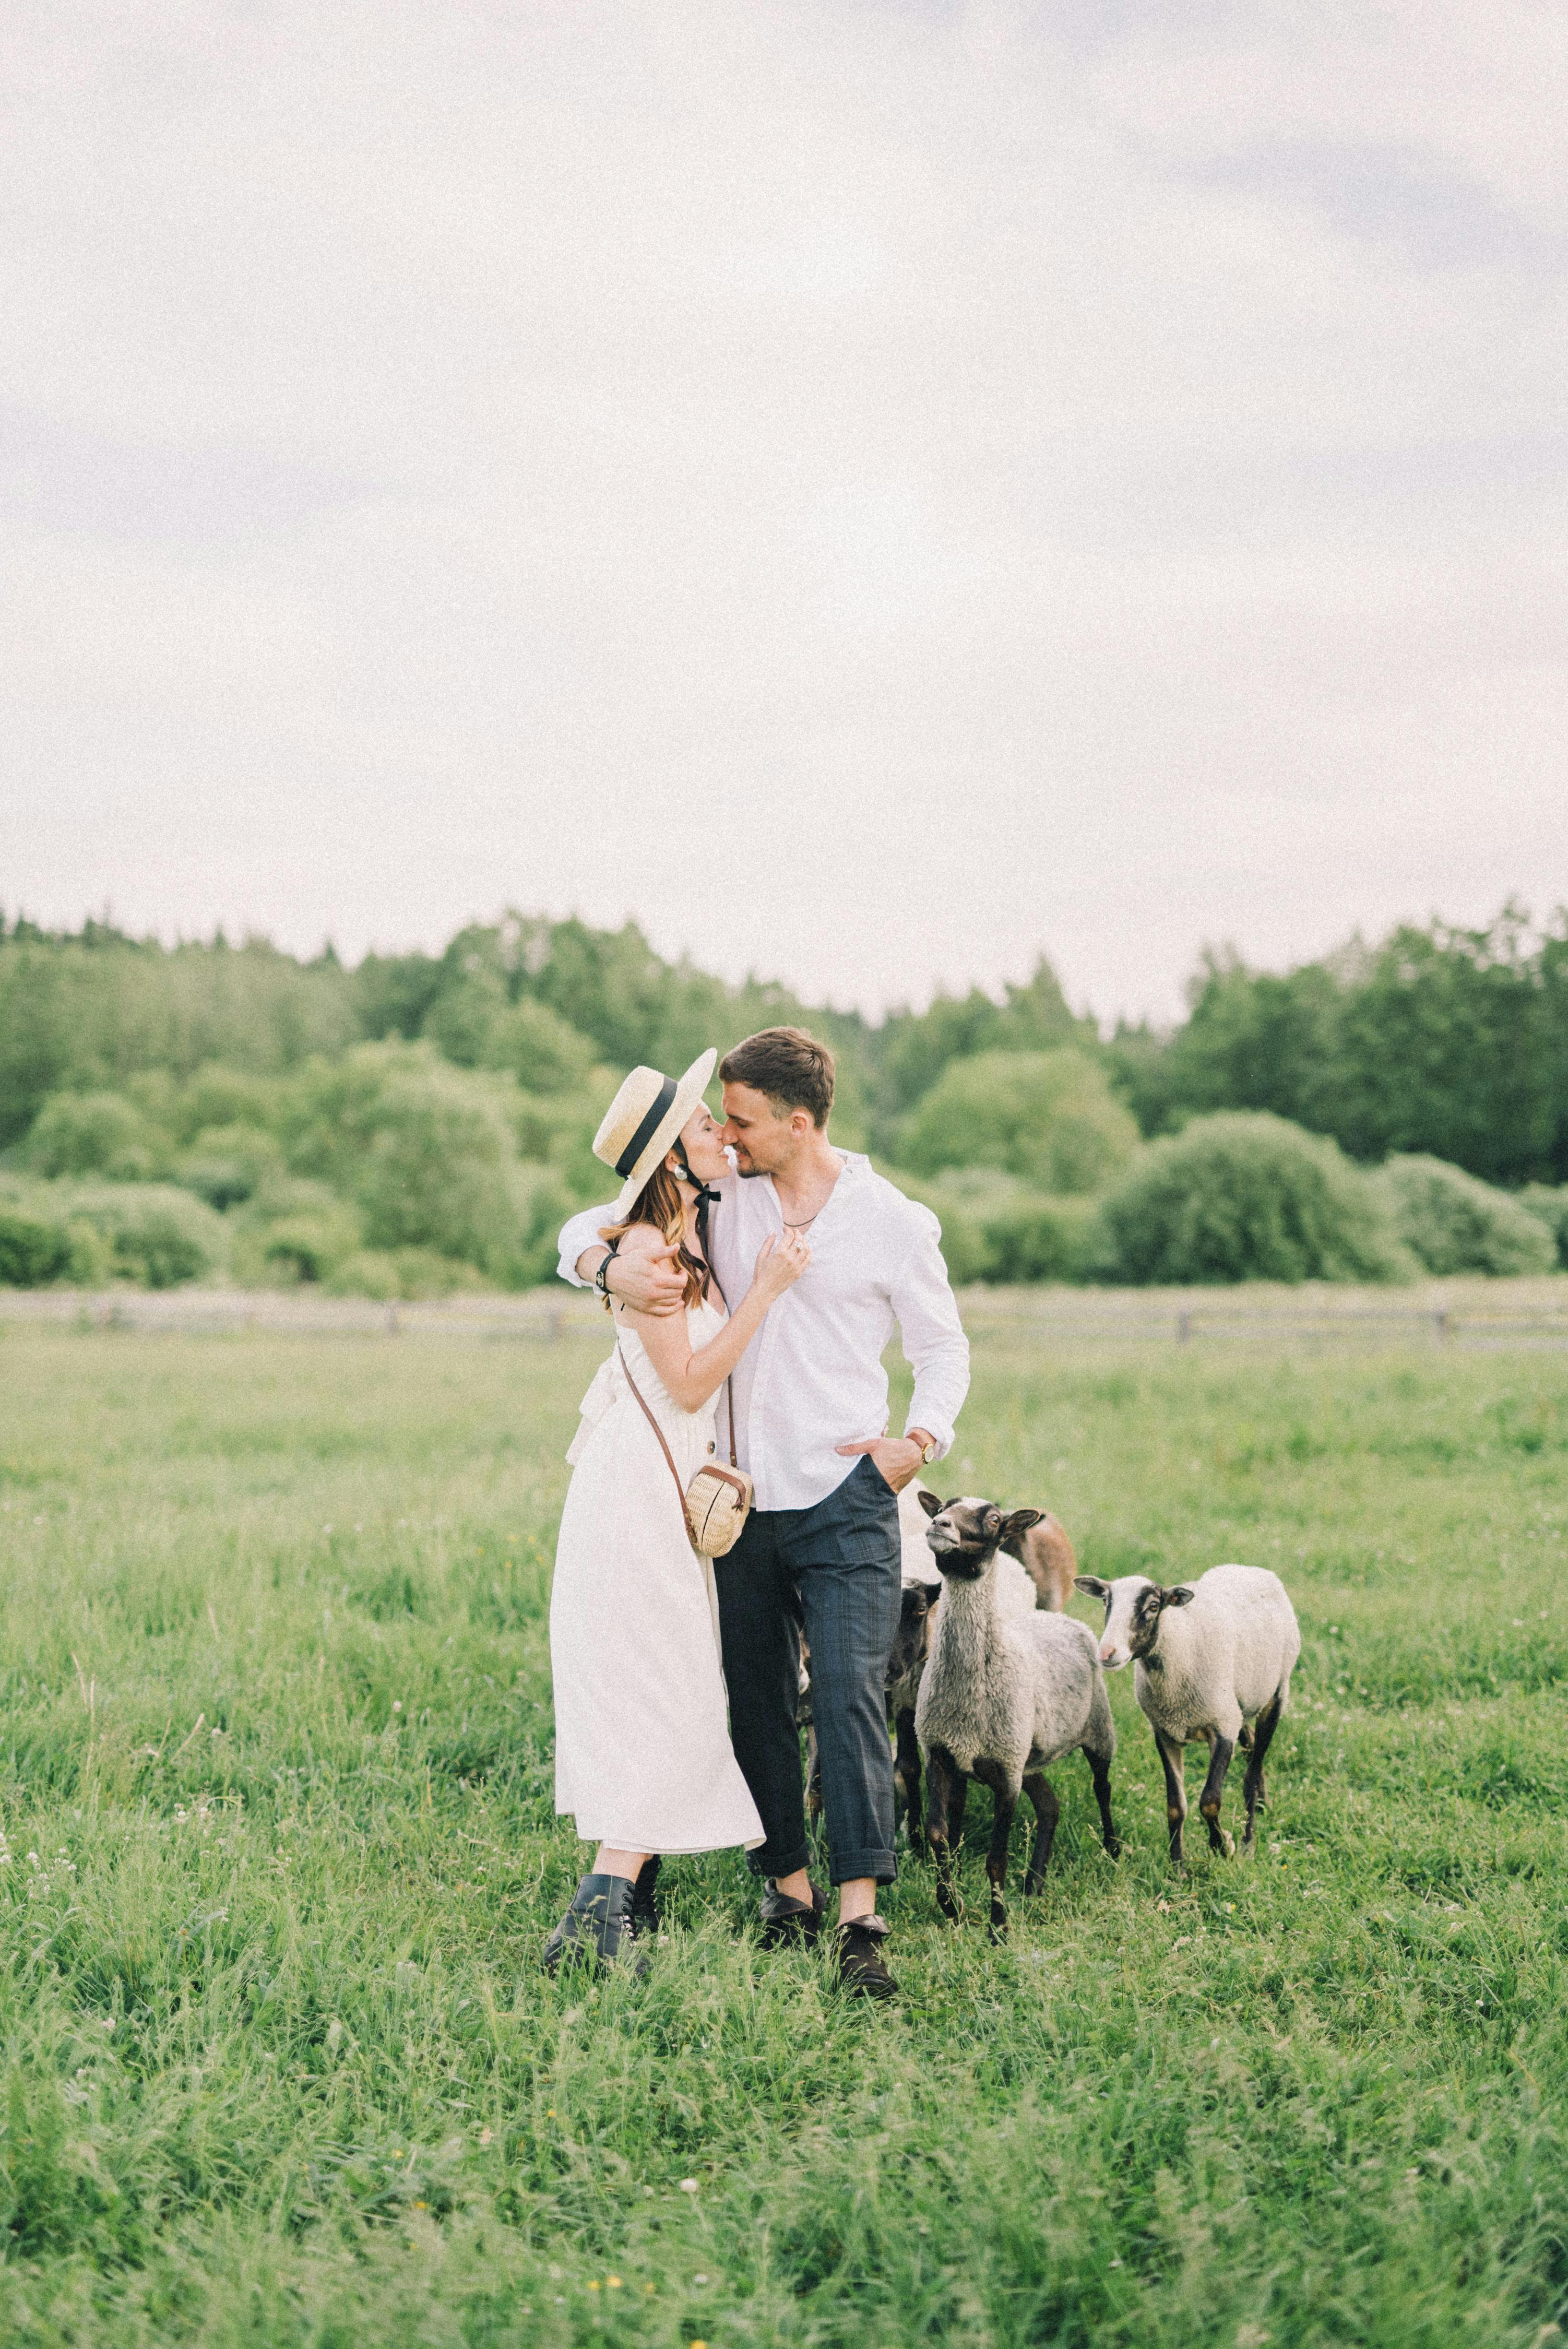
606	1390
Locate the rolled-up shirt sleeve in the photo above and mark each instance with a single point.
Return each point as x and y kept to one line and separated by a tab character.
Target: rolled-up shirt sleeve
935	1345
582	1232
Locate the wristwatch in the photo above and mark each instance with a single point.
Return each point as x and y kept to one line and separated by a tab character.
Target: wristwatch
600	1279
927	1445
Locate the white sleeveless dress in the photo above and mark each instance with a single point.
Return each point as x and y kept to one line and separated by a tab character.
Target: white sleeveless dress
643	1755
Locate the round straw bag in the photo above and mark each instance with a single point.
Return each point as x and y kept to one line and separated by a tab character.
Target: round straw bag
716	1502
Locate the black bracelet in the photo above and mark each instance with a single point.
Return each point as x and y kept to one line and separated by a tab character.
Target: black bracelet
600	1281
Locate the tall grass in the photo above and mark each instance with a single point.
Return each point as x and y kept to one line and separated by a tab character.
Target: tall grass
279	2065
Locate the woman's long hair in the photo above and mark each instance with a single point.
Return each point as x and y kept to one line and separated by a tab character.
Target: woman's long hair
659	1203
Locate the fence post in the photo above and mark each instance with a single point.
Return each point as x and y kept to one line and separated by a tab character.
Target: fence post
1183	1328
1440	1324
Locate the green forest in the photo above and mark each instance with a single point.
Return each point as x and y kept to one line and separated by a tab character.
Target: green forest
421	1123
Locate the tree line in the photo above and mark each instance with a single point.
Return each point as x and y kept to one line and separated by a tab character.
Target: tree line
419	1119
1449	1041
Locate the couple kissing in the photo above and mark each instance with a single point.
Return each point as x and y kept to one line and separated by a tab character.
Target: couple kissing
753	1273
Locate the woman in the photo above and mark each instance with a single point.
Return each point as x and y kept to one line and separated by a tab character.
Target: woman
643	1755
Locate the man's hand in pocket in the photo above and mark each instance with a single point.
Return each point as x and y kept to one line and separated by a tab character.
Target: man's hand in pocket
896	1460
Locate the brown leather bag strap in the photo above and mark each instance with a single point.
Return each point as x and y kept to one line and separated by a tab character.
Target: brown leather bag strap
664	1447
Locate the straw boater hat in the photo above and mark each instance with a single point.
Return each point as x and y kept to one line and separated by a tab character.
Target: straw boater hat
643	1121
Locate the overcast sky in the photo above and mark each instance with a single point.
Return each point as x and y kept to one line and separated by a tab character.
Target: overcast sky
873	491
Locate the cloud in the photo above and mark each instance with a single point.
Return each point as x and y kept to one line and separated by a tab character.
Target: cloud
873	493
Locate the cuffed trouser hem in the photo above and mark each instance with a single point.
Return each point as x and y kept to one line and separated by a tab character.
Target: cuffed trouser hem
857	1863
762	1863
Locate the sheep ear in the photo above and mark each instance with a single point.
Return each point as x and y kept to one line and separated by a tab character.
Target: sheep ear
1181	1594
1091	1586
1020	1523
929	1502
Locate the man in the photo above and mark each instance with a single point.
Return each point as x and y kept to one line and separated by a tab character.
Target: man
821	1545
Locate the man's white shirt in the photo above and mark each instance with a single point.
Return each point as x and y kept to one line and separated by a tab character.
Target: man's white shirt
812	1378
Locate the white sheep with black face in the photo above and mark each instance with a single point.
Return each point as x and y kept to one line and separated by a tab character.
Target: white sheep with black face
1211	1659
1005	1691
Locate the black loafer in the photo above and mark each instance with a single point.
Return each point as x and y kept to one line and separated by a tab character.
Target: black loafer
599	1924
861	1969
788	1923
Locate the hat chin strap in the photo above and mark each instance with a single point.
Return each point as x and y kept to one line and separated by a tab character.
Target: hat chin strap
705	1191
707	1196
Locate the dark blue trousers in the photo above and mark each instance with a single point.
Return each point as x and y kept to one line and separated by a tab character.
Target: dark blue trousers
835	1567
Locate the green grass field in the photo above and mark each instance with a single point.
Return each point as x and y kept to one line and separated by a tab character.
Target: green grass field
279	2065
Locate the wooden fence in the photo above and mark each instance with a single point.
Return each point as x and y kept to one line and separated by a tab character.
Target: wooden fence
1513	1314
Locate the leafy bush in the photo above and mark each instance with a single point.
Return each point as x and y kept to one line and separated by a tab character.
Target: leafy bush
542	1203
1549	1206
150	1233
1050	1117
93	1134
220	1099
403	1273
292	1230
45	1237
368	1272
1452	1222
425	1151
308	1247
157	1235
997	1227
1245	1196
33	1249
557	1130
964	1199
227	1165
1043	1240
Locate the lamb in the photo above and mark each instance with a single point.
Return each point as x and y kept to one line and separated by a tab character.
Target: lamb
1211	1658
1005	1693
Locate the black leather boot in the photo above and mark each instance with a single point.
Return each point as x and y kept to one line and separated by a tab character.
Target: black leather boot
599	1924
646	1918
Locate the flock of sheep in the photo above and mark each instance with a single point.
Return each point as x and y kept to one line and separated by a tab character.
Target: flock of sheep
990	1679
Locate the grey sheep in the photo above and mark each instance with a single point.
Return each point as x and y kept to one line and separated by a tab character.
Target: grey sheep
1210	1658
1035	1569
1006	1693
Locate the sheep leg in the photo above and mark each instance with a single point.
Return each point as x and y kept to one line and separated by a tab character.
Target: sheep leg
1253	1783
942	1776
1047	1810
1175	1791
955	1810
1100	1771
906	1773
994	1775
1220	1838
